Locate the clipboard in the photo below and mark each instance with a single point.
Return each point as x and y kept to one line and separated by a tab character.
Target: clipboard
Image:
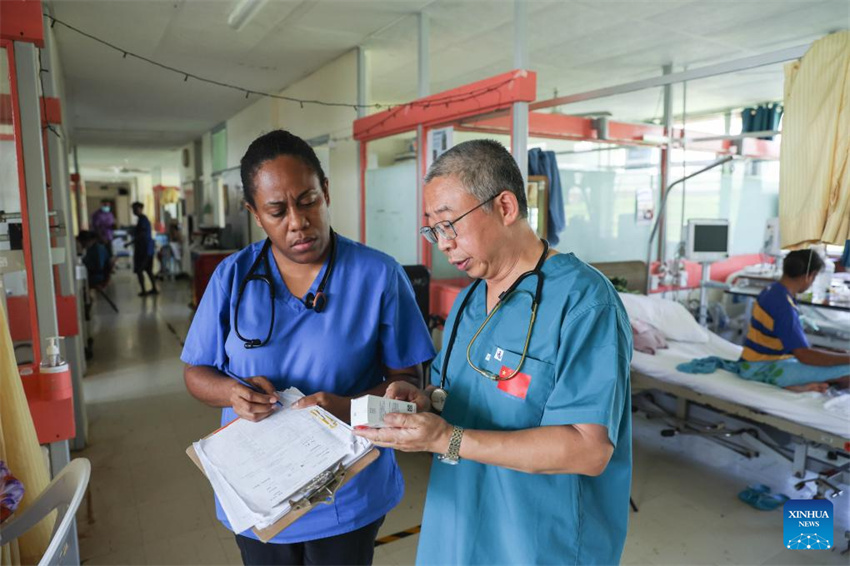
322	490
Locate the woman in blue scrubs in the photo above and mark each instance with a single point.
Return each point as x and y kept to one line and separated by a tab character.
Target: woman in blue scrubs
365	333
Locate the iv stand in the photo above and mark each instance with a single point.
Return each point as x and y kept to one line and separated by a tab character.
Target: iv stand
660	214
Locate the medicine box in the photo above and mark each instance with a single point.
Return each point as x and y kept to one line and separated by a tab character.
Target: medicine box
370	410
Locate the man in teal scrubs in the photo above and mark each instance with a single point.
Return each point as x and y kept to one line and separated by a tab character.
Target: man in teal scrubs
534	438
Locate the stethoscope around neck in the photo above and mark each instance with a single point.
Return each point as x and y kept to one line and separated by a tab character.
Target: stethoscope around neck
440	394
316	303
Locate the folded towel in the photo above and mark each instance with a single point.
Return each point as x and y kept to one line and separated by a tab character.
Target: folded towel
709	365
782	373
765	373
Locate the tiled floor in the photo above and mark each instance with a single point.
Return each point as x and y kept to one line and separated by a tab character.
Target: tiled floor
148	504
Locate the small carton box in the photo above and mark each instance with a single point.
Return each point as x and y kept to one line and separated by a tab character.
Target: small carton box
370	410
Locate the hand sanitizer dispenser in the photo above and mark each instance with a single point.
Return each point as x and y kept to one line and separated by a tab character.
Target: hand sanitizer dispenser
50	395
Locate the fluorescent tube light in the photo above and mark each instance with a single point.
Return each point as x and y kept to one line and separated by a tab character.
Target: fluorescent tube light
243	12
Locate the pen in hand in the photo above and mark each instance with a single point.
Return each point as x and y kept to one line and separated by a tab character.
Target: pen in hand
252	387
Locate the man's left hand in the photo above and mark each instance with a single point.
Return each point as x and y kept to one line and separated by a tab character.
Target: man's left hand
421	432
340	407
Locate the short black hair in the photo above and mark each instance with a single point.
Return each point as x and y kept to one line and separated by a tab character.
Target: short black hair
85	236
271	146
800	263
137	204
485	168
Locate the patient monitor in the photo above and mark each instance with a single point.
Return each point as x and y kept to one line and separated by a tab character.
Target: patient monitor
707	240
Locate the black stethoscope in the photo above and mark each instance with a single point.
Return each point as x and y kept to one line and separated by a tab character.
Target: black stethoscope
316	302
439	395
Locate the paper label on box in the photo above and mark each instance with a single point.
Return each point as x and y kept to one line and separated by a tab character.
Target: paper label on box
370	410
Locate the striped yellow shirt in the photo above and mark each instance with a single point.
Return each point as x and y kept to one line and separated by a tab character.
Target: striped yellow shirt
775	328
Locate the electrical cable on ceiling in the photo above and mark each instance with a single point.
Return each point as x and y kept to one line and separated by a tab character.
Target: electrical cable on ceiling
393	110
47	125
186	75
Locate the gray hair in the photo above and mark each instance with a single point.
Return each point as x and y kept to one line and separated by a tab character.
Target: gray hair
484	168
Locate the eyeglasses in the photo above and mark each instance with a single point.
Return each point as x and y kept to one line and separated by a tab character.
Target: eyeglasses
446	228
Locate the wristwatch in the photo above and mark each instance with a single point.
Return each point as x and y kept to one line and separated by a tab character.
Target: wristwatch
452	455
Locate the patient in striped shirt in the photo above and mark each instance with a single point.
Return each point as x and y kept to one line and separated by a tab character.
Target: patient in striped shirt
776	350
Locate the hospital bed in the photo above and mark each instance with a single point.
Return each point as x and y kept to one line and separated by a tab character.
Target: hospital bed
810	431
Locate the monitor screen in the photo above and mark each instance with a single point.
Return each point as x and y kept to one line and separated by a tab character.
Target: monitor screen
709	238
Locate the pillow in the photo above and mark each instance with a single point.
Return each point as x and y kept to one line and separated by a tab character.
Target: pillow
646	338
671	318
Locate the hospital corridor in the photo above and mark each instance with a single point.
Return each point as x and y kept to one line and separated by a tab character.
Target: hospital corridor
424	282
146	505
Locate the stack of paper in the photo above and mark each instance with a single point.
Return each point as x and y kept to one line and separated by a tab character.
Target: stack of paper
258	469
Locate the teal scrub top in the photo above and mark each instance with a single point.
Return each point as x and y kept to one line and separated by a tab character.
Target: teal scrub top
576	372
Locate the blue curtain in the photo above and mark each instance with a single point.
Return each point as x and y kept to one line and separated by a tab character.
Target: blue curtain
546	163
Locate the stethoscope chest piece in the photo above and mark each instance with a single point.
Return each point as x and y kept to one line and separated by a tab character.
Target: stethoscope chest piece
438	399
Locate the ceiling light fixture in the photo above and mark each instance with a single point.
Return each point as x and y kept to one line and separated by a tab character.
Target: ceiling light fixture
243	11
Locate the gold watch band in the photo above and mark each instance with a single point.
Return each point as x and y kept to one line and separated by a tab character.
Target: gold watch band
452	455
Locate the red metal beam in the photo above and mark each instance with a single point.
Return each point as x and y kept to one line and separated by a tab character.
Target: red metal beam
560	126
22	20
564	126
578	128
66	316
754	147
51	109
488	95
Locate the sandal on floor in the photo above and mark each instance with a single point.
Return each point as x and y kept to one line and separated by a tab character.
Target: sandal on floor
770	501
751	495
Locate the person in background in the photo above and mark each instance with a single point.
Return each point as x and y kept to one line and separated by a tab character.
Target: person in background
171	253
143	250
776	349
843	264
103	223
96	258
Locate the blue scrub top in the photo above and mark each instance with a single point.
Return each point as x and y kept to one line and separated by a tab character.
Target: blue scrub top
143	244
371	318
578	364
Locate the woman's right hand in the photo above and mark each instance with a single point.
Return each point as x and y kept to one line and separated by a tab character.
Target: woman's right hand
251	405
406	391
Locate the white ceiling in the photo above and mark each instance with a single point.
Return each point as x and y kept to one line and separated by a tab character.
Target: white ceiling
577	46
125	101
114	163
574	46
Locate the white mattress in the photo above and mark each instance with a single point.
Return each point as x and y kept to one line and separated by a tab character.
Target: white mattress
803	408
